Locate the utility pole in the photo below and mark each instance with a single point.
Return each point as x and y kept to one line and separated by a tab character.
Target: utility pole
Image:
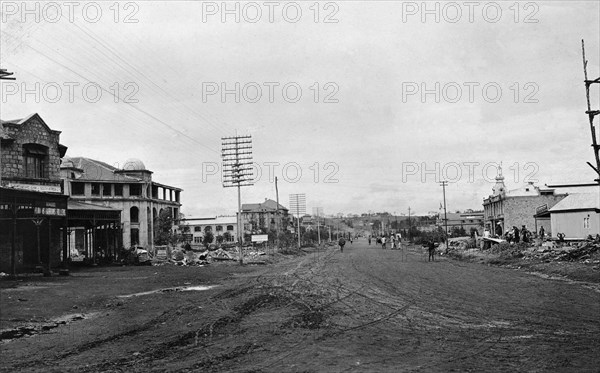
443	184
236	154
298	203
4	75
591	114
409	225
318	211
276	215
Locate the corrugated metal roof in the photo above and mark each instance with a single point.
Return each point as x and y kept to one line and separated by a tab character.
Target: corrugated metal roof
76	205
268	205
94	170
578	201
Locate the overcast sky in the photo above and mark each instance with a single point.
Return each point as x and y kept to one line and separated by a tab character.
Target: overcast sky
359	117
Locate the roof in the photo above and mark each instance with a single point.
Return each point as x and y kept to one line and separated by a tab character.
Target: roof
76	205
18	122
94	170
267	205
210	221
3	134
578	201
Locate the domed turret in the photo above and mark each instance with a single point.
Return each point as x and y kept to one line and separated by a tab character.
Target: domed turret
134	164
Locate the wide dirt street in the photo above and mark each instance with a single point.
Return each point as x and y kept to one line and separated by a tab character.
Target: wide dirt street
361	310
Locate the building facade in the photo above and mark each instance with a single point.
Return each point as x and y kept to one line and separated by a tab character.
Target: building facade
225	226
263	217
130	190
505	209
33	208
577	216
465	220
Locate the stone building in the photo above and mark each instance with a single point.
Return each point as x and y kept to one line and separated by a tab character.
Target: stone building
505	209
130	190
33	208
263	217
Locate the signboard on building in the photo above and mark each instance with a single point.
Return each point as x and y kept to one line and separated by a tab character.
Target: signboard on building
51	211
188	237
36	187
260	237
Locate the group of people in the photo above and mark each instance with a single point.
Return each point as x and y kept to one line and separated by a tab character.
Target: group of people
395	241
517	235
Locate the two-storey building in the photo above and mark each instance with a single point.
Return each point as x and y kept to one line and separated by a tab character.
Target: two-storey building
129	189
33	207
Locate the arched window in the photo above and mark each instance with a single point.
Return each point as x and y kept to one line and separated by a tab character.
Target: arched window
134	215
219	228
230	227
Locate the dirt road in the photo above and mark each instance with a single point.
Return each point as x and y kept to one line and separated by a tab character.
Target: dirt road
365	309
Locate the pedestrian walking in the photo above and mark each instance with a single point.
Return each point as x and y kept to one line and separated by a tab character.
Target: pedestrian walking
542	232
383	242
342	242
516	235
431	247
524	234
369	240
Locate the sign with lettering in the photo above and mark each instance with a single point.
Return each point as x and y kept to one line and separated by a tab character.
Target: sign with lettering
49	211
260	238
36	187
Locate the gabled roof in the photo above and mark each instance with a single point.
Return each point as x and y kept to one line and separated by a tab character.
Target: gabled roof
267	205
21	121
578	201
94	170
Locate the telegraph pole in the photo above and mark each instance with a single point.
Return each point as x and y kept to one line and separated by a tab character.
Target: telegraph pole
277	215
591	114
444	184
317	211
409	226
236	154
298	203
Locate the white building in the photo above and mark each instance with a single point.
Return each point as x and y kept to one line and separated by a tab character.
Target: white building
225	226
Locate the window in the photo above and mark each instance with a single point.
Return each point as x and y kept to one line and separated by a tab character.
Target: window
219	228
134	214
135	236
208	228
95	189
586	223
118	189
78	189
106	190
197	229
197	239
230	227
135	190
35	157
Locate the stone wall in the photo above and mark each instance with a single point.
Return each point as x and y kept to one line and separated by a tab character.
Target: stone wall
33	131
519	211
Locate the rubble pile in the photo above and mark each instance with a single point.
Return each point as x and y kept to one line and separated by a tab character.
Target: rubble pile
193	258
579	252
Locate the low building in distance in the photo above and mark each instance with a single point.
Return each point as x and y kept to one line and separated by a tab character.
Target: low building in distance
263	217
225	226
